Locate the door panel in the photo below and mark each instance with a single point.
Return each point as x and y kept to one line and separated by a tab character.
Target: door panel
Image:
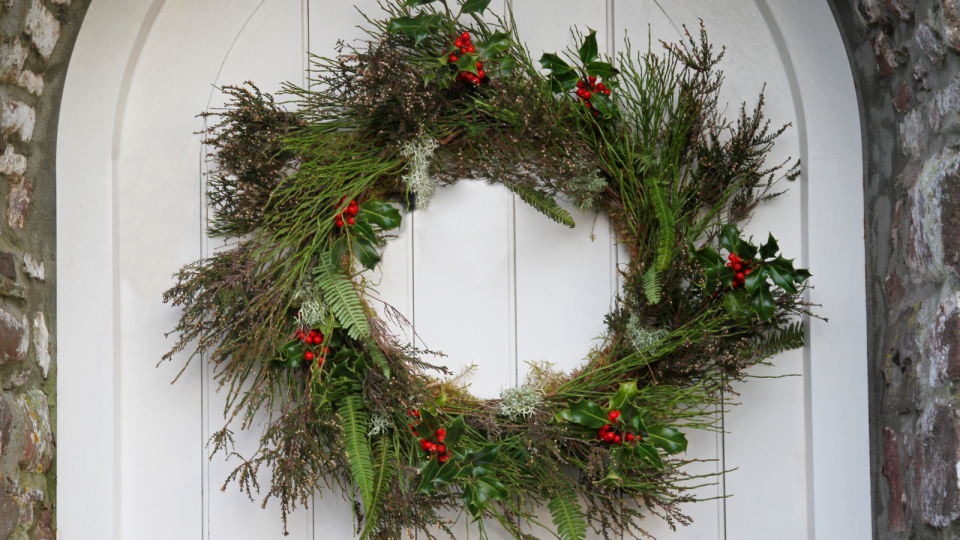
482	276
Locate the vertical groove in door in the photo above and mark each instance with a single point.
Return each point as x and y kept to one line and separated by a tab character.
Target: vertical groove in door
204	384
512	288
723	467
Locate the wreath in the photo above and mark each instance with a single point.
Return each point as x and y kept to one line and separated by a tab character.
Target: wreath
312	188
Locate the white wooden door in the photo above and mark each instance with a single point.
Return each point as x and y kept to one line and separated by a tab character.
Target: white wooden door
522	287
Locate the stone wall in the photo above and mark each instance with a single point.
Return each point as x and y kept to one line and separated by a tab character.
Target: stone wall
904	54
36	37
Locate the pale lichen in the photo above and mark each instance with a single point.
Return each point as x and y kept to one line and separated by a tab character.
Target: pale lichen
379	424
520	402
418	180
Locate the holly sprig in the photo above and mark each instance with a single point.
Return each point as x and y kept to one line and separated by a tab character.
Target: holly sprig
749	273
446	461
584	77
459	61
359	236
630	432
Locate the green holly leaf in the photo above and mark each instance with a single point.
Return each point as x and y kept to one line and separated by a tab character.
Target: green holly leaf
735	301
502	68
429	424
769	249
602	103
781	278
455	431
415	3
381	214
603	70
292	353
649	453
616	455
627	391
364	229
800	275
416	28
474	6
497	43
427	474
484	456
670	439
589	414
338	250
730	238
447	472
554	63
562	82
589	49
612	480
366	253
755	279
630	416
706	256
762	303
467	62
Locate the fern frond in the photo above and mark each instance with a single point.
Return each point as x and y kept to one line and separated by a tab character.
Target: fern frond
353	420
385	470
668	231
651	285
377	355
342	298
783	339
567	516
543	204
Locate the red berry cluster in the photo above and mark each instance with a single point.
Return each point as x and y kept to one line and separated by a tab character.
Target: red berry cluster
586	89
463	43
313	337
437	447
351	212
611	435
740	268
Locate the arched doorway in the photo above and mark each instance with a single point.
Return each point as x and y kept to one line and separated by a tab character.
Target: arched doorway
130	208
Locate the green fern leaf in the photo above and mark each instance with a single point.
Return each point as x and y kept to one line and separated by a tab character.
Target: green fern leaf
377	356
668	232
356	444
385	470
544	204
651	285
567	516
342	298
784	339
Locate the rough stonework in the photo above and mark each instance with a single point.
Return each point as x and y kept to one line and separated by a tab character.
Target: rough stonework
905	56
36	39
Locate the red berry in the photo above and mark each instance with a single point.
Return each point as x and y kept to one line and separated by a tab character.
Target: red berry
630	437
326	350
463	50
740	276
601	433
614	415
479	65
308	340
606	428
308	355
353	202
416	412
601	87
579	84
415	434
442	448
351	221
465	36
732	257
748	270
339	222
606	92
617	440
458	43
587	94
737	266
452	58
320	362
733	285
470	49
481	74
443	459
592	79
609	436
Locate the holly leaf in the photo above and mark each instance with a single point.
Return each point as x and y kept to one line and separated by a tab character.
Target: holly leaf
366	253
381	214
670	439
554	63
484	456
447	472
589	49
755	279
762	303
627	391
292	353
474	6
612	480
497	43
562	82
706	256
427	474
416	28
454	431
730	238
363	228
781	278
428	423
589	414
338	250
649	453
769	249
502	68
467	62
603	70
415	3
735	301
602	103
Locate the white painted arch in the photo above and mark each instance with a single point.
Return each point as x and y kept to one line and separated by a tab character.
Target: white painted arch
97	466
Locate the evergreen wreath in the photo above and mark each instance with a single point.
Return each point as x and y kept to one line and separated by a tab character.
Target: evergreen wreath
432	97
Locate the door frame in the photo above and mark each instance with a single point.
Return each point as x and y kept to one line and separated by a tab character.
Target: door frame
835	358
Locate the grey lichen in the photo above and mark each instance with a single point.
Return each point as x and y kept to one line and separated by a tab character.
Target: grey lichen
418	180
643	338
520	402
312	309
379	424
